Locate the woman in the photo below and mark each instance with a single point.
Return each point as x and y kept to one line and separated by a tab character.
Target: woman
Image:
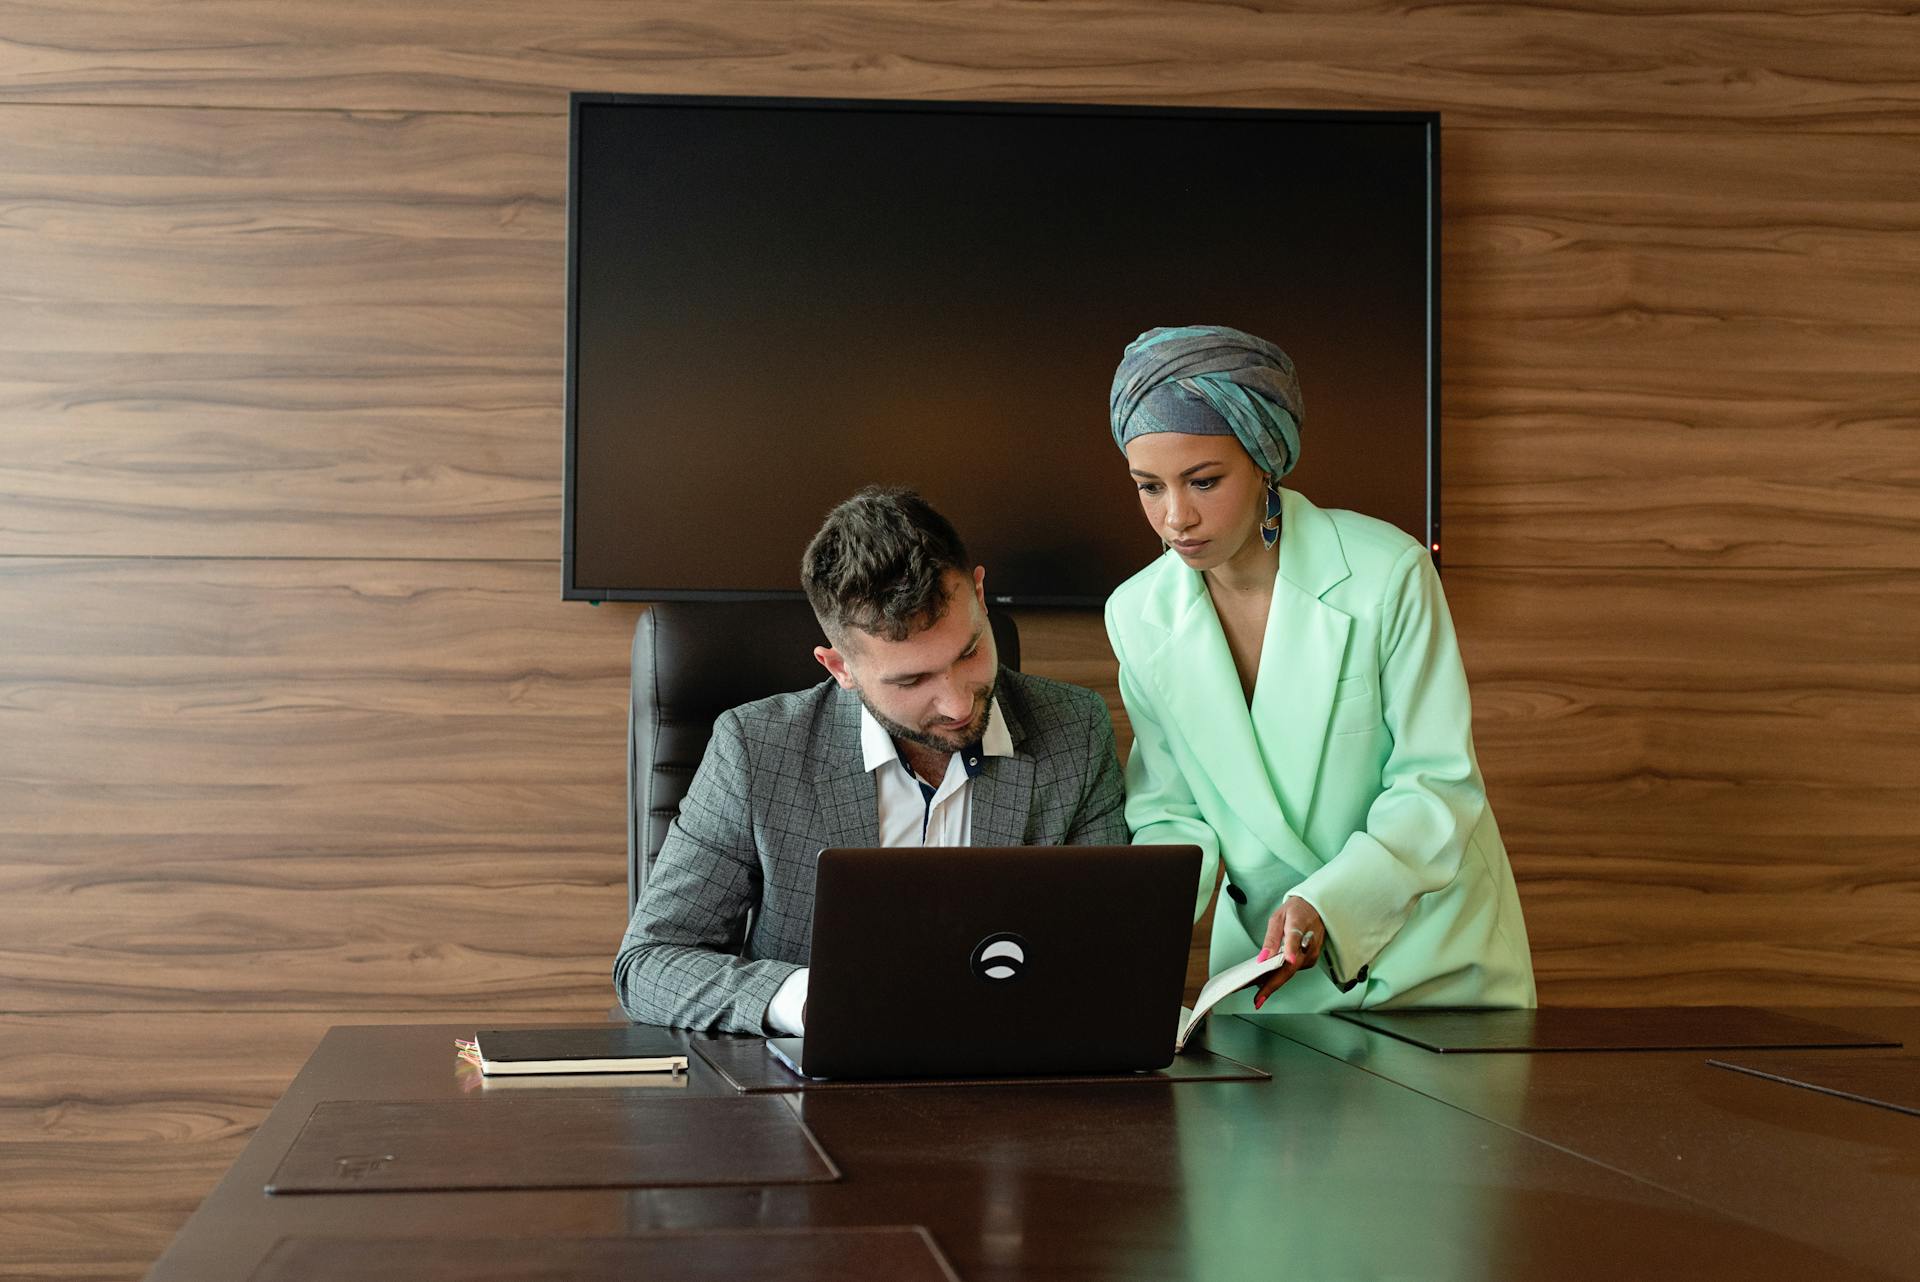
1298	704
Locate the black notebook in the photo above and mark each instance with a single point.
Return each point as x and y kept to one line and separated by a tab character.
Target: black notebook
610	1048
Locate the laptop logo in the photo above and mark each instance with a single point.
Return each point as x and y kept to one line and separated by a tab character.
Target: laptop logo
999	958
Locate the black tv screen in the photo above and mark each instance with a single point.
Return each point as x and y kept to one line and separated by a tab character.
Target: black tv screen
773	302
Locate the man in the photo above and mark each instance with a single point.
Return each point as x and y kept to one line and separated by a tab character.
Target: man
920	738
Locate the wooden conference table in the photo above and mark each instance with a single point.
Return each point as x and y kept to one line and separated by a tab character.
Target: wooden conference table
1363	1156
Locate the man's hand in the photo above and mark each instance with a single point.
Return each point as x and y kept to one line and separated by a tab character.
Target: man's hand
1296	932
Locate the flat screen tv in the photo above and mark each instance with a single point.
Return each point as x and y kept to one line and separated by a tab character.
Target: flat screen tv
773	302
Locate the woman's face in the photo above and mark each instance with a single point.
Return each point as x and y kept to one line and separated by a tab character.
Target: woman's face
1201	494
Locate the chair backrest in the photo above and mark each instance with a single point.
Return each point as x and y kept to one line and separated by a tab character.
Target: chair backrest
692	660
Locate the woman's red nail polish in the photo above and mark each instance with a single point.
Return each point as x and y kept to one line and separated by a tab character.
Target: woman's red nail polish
1264	954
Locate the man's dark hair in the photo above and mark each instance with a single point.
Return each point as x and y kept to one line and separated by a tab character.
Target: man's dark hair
877	564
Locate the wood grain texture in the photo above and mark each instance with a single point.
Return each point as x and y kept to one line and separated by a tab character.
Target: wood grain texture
1805	66
114	1126
187	455
307	783
1705	779
1680	348
184	1077
93	1246
280	334
1646	464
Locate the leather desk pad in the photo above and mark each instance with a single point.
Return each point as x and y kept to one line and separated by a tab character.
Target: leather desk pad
529	1142
904	1254
1572	1028
1887	1081
750	1069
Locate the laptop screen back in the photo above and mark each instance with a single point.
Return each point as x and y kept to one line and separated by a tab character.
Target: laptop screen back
941	961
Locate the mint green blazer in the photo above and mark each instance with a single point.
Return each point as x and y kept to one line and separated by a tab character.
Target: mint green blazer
1350	781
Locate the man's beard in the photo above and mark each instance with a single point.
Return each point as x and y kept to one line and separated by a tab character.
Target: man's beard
933	739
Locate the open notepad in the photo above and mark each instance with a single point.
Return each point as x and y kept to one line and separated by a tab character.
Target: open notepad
1227	981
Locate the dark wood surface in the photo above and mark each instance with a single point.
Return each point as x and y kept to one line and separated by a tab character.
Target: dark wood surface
904	1254
1780	1160
1356	1174
614	1138
1888	1080
747	1067
1605	1029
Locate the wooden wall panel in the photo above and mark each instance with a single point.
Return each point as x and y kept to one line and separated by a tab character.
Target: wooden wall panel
1704	778
93	1246
1681	348
281	333
1656	462
1818	66
224	456
189	176
308	784
177	1076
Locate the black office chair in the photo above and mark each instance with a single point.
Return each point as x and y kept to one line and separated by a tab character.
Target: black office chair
692	660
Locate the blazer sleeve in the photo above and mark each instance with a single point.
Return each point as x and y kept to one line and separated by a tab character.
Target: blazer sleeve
1100	816
1160	807
1432	796
679	964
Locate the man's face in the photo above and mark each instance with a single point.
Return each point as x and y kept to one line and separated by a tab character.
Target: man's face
936	687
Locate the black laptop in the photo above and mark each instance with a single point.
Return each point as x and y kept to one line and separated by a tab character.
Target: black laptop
955	961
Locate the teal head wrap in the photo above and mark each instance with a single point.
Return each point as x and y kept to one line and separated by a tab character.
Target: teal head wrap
1209	380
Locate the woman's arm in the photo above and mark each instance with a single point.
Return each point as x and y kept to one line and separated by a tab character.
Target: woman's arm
1432	796
1160	806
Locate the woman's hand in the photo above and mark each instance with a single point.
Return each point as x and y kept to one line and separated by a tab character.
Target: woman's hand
1297	932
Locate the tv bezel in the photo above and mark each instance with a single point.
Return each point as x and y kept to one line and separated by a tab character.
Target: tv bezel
571	591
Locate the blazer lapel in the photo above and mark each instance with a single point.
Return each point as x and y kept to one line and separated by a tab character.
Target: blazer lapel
848	804
1002	793
1302	655
1200	689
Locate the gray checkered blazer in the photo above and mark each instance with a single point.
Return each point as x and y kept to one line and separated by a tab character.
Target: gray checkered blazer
781	781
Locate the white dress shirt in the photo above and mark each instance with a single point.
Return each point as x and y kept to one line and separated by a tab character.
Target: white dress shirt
912	813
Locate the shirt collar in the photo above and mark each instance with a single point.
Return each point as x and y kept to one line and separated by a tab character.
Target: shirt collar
877	747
